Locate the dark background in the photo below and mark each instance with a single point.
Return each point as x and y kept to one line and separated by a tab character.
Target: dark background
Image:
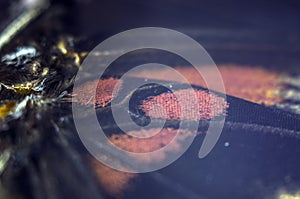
252	32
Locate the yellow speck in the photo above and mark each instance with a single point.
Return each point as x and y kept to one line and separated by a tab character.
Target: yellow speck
76	58
23	88
6	109
62	47
83	54
45	71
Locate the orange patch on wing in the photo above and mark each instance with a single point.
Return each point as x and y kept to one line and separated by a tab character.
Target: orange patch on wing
112	181
144	145
178	105
103	95
115	182
250	83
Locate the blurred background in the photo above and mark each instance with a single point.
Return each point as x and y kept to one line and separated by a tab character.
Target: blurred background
255	44
251	32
